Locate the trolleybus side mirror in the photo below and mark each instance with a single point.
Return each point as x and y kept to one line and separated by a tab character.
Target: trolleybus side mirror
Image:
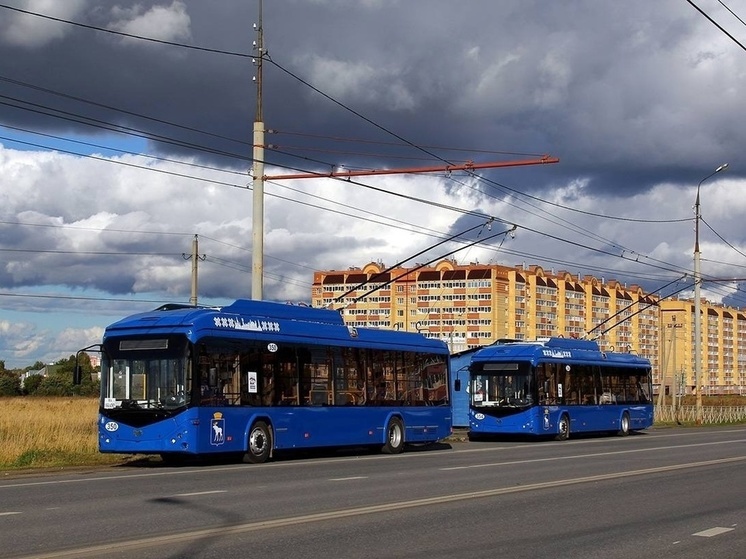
78	370
457	385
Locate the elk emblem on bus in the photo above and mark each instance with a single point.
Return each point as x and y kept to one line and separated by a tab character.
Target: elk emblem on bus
217	431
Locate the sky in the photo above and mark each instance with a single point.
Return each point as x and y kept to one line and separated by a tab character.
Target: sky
126	130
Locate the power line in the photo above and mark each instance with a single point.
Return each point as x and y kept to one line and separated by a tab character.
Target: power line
80	298
716	24
300	80
85	252
284	70
97	123
120	110
719	236
734	14
129	35
118	150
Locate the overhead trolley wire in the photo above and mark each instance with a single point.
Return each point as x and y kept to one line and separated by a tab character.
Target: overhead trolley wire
280	67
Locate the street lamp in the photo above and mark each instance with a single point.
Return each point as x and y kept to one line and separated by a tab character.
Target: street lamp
697	301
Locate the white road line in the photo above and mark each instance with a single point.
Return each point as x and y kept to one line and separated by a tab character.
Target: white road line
584	456
9	513
713	532
98	550
348	478
200	493
323	463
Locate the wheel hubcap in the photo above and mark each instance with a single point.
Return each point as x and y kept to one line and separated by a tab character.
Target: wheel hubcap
394	436
257	442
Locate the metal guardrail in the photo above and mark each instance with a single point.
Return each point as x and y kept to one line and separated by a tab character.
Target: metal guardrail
710	414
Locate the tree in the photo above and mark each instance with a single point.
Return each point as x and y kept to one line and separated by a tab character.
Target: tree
59	379
10	384
31	384
88	387
56	384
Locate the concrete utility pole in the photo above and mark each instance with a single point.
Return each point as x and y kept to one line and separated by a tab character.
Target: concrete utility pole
258	177
195	258
257	222
675	387
697	302
664	368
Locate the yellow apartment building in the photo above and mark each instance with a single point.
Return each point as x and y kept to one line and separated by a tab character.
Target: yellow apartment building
473	305
723	364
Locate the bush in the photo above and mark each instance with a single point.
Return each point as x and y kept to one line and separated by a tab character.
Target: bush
56	384
10	384
31	384
87	387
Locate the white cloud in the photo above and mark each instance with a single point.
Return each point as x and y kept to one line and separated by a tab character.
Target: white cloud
637	99
20	340
353	82
162	22
30	31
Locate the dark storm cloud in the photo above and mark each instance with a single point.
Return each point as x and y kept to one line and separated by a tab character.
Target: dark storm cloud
640	101
613	89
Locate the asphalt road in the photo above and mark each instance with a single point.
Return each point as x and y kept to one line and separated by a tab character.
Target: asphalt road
663	493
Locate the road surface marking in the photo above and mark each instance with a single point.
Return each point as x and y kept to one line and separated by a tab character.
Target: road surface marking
348	478
584	456
200	493
98	550
713	532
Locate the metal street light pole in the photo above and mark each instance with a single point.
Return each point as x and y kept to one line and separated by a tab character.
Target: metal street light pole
697	301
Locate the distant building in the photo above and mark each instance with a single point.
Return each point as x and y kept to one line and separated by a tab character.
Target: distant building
43	372
723	348
29	374
469	306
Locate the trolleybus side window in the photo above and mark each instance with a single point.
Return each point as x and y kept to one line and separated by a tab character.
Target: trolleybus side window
547	378
320	375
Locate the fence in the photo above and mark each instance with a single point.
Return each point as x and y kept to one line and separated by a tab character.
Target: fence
710	414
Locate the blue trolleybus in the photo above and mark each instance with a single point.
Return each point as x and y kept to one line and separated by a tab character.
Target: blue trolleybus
556	387
254	377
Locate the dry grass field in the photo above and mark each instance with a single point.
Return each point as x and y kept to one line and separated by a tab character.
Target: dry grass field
58	432
50	432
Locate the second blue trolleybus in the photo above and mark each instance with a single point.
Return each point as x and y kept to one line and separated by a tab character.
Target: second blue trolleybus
254	377
557	387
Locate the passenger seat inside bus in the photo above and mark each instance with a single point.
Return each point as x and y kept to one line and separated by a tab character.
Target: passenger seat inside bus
318	396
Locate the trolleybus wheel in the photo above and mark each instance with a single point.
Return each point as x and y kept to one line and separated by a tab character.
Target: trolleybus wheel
624	425
260	443
394	437
563	428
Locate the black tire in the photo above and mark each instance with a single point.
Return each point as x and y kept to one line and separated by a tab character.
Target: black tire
259	445
563	428
624	425
394	437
